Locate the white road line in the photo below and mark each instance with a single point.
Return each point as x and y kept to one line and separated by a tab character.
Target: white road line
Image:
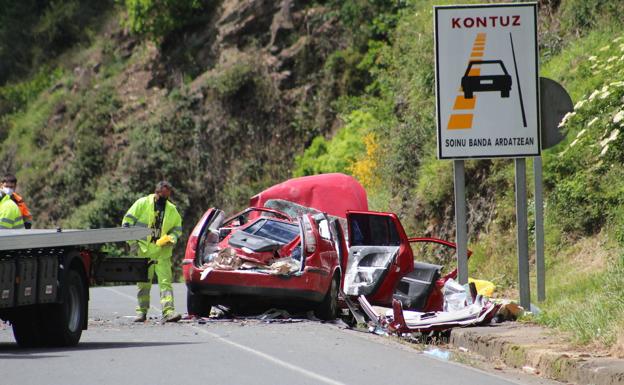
272	359
275	360
133	298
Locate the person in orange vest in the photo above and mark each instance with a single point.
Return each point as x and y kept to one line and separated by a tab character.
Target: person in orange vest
9	183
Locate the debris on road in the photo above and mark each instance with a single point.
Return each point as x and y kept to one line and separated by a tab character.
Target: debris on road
460	309
444	355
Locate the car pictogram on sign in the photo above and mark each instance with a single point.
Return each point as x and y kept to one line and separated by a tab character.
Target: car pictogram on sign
476	81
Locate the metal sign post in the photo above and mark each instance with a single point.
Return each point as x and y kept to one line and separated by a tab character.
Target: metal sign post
555	102
523	234
540	265
461	233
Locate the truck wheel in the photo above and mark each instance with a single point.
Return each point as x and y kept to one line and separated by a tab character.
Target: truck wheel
197	304
66	320
328	309
27	329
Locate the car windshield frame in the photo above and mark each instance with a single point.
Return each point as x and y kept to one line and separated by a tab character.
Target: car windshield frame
275	230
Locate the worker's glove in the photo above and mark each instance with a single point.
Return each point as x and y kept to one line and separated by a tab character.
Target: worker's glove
164	240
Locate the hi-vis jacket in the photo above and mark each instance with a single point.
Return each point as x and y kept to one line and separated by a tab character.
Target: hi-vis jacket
143	214
10	215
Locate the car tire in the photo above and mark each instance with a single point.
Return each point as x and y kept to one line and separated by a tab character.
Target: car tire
504	94
66	319
197	304
468	95
328	309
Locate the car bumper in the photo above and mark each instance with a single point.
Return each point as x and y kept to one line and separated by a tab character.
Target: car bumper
231	286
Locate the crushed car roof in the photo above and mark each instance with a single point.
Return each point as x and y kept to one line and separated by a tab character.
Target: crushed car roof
331	193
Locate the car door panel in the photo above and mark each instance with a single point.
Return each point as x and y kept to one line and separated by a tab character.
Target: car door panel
379	250
367	268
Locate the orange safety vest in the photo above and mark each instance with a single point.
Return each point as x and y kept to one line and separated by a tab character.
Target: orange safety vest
19	201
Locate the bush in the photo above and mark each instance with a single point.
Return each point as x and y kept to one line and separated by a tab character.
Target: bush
157	18
341	152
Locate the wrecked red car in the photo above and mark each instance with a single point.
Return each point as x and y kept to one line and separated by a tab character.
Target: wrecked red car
307	241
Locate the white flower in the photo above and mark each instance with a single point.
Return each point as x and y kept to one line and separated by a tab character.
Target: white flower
565	118
594	120
608	68
611	138
617	84
604	88
612	58
593	95
592	58
580	104
617	39
618	117
606	47
604	150
605	94
593	66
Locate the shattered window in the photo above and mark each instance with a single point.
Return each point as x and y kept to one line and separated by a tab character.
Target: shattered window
275	230
373	230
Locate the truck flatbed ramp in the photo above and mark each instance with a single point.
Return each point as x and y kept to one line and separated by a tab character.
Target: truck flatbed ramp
43	238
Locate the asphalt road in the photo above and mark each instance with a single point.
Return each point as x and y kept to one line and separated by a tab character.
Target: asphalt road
116	351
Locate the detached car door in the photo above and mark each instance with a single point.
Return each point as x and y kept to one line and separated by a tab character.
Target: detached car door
379	256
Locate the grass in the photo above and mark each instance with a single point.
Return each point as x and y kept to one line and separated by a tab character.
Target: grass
585	292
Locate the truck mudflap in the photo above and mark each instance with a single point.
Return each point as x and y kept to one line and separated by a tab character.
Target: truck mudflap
130	270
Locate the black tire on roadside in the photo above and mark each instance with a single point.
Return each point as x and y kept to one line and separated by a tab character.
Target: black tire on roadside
65	320
328	309
197	304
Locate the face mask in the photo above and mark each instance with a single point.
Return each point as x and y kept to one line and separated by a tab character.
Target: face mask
7	190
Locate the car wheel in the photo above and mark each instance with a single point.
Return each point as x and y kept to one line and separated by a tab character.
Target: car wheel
505	94
197	304
66	319
328	309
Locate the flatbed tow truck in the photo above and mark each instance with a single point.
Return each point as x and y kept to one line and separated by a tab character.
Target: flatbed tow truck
45	277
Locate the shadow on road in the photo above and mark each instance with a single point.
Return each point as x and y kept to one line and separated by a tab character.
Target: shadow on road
12	351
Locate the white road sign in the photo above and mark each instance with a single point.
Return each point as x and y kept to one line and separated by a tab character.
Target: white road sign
487	81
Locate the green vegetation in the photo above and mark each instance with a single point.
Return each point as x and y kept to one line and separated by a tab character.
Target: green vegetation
157	18
33	32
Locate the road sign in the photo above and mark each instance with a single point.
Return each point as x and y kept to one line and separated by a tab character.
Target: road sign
487	83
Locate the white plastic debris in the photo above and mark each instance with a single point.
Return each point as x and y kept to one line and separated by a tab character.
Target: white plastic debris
454	296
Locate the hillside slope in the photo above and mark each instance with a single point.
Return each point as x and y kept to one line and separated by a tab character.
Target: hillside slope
219	109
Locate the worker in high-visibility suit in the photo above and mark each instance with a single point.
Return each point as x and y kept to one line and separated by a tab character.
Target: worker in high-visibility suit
10	215
9	184
156	212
